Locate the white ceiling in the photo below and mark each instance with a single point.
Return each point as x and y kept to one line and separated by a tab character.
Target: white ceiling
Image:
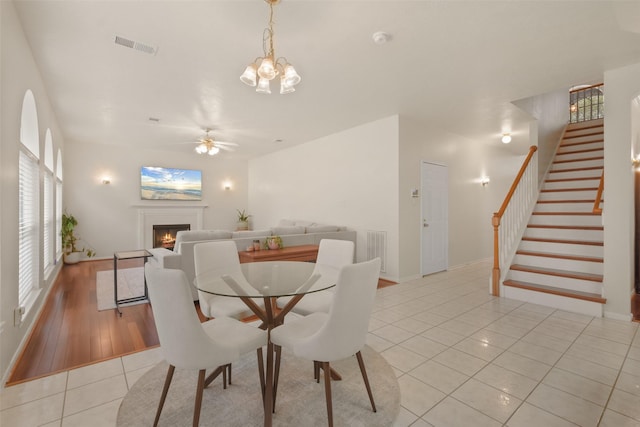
455	64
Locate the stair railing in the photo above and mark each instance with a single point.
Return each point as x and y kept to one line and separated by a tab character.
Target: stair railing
596	203
509	222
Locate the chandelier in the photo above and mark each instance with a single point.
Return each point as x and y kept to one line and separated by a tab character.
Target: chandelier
269	67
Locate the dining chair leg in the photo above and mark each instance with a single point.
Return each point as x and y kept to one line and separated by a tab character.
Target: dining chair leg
165	390
316	371
229	373
198	403
261	370
327	391
276	374
363	370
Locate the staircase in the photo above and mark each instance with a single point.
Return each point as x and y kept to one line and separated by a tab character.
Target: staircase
559	261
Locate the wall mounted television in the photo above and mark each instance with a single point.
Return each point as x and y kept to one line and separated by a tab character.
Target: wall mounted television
170	184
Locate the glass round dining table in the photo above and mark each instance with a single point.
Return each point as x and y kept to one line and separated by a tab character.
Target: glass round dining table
268	280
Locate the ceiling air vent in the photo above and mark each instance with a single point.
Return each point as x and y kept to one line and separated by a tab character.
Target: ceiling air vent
135	45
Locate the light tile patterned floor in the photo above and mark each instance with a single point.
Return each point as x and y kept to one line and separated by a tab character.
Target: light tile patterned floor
462	358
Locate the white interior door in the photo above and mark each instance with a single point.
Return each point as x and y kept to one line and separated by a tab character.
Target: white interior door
435	214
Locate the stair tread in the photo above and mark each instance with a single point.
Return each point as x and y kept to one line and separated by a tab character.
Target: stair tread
559	273
588	296
564	241
586	150
568	227
565	201
586	159
584	178
573	144
560	256
588	168
560	190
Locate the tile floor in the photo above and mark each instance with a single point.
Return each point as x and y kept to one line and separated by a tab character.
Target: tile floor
462	358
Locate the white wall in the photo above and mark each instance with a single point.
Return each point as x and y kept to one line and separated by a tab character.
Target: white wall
349	178
622	86
551	111
471	205
18	73
108	214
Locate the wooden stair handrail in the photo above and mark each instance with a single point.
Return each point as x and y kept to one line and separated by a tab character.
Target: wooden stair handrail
495	221
596	203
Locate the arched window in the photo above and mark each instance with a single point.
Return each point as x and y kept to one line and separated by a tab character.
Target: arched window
58	204
48	209
28	201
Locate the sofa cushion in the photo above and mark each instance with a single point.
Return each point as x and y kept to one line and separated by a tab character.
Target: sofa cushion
319	228
198	235
285	230
250	233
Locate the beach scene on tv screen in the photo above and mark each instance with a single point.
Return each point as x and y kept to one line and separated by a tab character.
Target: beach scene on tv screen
170	184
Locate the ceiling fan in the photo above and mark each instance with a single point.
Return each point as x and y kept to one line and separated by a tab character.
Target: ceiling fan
208	145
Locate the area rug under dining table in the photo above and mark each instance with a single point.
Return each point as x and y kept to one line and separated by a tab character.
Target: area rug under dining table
300	400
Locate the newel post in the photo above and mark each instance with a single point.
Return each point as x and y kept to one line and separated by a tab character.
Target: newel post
495	277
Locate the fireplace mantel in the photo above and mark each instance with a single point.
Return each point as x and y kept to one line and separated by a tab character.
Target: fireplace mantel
165	214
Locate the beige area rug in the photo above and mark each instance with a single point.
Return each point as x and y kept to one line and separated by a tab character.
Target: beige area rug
300	400
130	284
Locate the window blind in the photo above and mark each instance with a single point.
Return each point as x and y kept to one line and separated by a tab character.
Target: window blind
28	226
48	220
58	217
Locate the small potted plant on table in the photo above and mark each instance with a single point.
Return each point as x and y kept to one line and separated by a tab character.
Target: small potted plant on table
273	242
243	220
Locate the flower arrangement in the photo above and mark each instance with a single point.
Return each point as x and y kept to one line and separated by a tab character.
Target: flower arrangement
273	242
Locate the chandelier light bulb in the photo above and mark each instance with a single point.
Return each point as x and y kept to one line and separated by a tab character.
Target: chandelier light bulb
291	75
263	86
249	75
267	69
506	138
285	87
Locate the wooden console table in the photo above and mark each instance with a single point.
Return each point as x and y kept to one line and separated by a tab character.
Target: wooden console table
291	253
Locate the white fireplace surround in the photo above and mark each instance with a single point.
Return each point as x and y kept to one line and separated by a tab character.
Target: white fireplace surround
148	216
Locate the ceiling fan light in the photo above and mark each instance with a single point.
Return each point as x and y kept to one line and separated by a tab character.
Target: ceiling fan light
267	69
213	151
263	86
285	87
201	149
290	74
249	75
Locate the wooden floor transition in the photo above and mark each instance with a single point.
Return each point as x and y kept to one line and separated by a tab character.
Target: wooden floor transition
71	332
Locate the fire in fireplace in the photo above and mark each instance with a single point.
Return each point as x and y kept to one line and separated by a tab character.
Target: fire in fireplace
164	236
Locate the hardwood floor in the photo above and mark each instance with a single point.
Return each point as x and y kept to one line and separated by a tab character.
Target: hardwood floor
71	332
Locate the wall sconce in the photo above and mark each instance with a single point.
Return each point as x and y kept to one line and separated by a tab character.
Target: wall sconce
106	180
635	162
485	181
226	185
506	138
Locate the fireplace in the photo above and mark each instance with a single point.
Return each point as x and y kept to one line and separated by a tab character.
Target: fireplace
164	236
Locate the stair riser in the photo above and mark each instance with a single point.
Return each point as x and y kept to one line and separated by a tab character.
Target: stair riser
589	124
554	233
557	282
578	164
559	264
592	173
568	195
585	183
563	303
564	207
579	140
589	146
578	156
589	220
562	248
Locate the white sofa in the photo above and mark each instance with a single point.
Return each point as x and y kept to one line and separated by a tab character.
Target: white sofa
292	232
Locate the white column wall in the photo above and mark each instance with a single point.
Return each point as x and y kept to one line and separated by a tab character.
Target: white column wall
349	178
622	86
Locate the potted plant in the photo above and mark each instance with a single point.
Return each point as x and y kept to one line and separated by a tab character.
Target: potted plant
243	220
273	242
69	240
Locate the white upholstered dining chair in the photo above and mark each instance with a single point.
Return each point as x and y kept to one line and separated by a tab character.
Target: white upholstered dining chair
331	253
341	333
186	343
223	257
